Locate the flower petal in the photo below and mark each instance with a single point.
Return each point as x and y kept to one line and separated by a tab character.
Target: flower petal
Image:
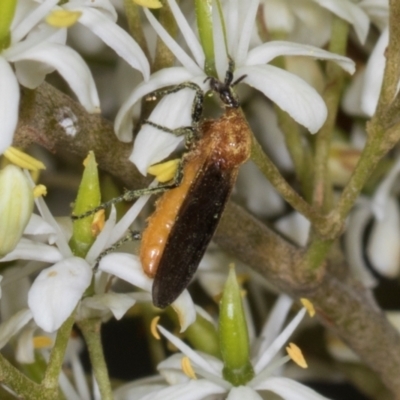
350	12
38	226
25	352
57	290
61	239
243	392
9	103
32	19
194	356
123	124
171	369
250	8
279	342
13	325
153	145
178	52
289	92
102	239
289	389
193	390
137	389
115	37
127	220
31	250
126	267
187	33
354	244
295	226
71	67
184	308
268	51
373	77
117	303
275	322
383	247
383	191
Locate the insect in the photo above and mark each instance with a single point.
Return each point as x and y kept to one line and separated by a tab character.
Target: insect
187	216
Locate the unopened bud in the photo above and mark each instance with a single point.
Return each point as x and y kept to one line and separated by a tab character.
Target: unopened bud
16	206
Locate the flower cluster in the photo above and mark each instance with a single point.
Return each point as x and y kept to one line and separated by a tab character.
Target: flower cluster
285	62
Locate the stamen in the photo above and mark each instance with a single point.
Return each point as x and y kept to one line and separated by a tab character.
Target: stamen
39	190
153	327
63	18
148	3
187	368
41	342
308	306
165	171
98	223
23	160
296	355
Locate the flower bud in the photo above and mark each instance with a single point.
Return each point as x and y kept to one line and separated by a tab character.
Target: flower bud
16	206
233	335
88	198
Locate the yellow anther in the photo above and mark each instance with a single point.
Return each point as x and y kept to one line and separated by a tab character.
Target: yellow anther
165	171
98	223
42	342
308	306
148	3
39	190
23	160
187	368
296	355
153	327
63	18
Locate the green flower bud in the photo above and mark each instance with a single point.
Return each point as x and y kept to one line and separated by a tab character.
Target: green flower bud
16	206
233	335
86	229
202	336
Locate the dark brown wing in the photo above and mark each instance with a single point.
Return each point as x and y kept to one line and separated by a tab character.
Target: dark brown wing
193	229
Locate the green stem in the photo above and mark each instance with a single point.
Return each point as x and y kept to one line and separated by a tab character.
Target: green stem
372	153
299	150
392	54
18	382
91	330
322	194
50	381
316	253
272	173
383	130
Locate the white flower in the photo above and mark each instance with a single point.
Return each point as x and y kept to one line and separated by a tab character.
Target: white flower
288	91
309	21
294	226
58	289
100	17
383	247
37	49
363	94
34	51
208	369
